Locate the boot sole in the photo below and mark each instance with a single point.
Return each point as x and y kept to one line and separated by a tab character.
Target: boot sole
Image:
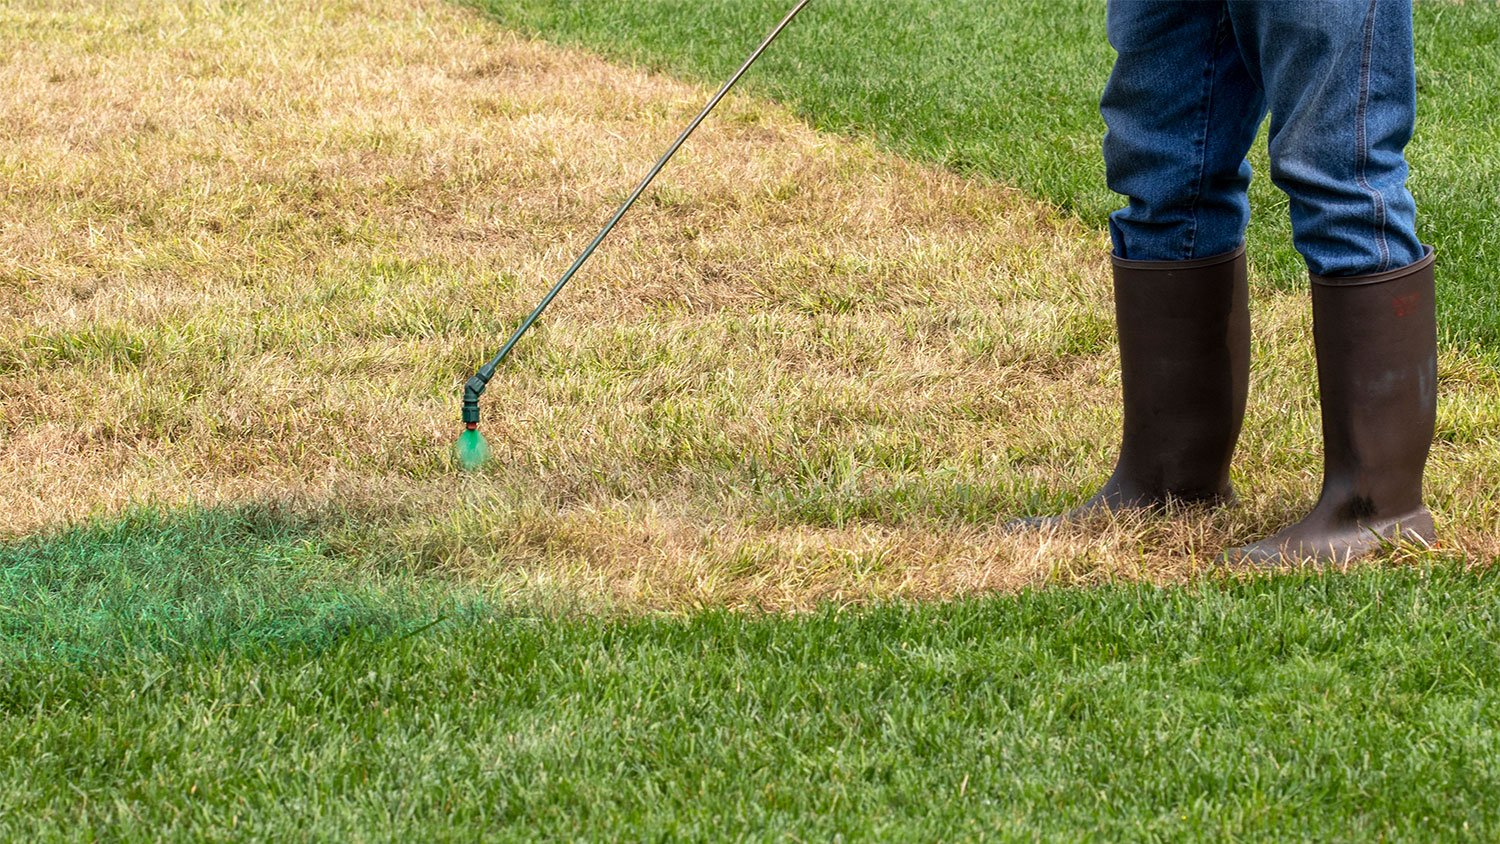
1349	545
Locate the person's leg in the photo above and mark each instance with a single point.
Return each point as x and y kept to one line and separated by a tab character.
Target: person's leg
1341	81
1182	111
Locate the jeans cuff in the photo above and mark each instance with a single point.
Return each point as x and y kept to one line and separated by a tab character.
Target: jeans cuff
1429	255
1190	264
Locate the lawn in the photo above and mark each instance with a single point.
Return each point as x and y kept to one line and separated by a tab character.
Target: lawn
737	570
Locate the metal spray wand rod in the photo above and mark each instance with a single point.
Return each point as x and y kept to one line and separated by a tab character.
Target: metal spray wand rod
476	384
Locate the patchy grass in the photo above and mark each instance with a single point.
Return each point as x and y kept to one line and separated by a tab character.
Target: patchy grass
1010	90
252	251
276	699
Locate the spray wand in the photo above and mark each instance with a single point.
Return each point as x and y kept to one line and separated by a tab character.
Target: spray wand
471	451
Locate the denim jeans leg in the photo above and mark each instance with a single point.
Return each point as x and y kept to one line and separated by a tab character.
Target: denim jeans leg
1340	80
1182	110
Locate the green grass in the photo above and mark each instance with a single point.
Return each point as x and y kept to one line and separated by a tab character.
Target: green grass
1010	89
270	699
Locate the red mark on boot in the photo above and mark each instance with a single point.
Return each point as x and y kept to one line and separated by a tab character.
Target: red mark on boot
1404	305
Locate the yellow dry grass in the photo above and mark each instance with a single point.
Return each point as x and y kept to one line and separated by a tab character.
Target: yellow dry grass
249	250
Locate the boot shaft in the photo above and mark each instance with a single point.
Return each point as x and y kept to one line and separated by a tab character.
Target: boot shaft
1376	341
1184	332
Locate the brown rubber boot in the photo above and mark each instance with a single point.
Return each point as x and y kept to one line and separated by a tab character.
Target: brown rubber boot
1184	329
1376	340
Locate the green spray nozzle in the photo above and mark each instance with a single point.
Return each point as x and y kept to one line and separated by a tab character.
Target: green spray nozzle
471	451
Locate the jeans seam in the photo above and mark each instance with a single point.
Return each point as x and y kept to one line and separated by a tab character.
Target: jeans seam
1361	140
1209	70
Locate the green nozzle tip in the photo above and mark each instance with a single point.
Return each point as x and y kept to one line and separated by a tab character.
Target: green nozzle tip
471	451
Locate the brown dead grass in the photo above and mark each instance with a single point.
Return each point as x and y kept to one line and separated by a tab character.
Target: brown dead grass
248	252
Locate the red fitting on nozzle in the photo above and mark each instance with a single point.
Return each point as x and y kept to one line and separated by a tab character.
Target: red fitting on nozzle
471	426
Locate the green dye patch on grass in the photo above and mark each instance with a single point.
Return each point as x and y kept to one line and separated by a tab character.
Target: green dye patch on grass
240	580
1010	90
1326	707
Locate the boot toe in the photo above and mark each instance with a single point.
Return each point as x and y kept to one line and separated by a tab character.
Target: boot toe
1333	545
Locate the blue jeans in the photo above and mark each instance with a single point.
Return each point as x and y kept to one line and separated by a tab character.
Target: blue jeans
1192	83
